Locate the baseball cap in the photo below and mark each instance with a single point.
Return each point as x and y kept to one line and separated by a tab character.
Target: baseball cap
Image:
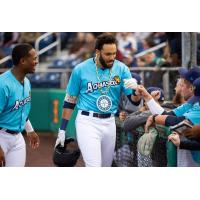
137	77
196	97
151	89
191	74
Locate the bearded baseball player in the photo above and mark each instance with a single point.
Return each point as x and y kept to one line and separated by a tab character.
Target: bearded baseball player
15	106
95	86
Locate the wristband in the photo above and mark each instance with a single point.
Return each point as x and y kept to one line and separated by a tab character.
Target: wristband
28	127
64	123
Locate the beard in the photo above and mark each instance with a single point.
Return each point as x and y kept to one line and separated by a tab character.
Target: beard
104	64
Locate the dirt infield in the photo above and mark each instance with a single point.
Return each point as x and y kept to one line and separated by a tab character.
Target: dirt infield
42	157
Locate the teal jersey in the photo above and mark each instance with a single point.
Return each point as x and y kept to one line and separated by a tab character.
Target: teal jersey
15	102
189	111
88	84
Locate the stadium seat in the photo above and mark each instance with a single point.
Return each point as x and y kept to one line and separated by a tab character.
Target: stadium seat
58	63
45	80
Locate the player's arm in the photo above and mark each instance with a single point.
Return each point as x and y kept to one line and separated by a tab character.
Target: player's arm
165	120
189	144
33	137
153	106
130	87
68	107
185	143
72	92
28	126
135	97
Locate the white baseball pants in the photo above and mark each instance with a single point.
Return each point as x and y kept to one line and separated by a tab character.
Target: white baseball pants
96	139
14	149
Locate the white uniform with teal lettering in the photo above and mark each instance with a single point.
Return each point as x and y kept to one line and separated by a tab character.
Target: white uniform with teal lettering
98	91
14	110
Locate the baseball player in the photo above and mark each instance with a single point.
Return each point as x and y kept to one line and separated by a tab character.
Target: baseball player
15	106
96	85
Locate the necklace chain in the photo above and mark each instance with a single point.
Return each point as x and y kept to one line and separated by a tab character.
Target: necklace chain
99	81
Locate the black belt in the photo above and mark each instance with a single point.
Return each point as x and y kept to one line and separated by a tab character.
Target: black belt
98	115
8	131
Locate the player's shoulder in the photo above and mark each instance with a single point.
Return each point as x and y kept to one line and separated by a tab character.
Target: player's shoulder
87	62
120	64
6	74
5	80
82	66
5	77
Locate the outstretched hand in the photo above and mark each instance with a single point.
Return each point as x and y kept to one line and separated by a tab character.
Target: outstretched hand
34	140
142	91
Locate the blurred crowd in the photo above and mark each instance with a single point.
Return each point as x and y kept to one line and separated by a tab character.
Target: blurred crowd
80	45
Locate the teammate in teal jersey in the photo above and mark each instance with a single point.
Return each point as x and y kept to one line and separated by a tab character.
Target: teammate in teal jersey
97	83
15	104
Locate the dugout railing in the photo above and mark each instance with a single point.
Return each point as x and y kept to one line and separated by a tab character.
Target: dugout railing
164	77
54	44
163	154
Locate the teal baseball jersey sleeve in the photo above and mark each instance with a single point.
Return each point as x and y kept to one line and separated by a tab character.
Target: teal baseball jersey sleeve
126	75
182	109
189	111
73	87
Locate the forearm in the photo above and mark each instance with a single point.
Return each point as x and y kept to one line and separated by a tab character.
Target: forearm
68	107
153	106
147	97
167	120
189	144
133	122
161	119
173	120
66	114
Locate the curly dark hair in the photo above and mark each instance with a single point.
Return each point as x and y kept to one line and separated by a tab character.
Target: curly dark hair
105	38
